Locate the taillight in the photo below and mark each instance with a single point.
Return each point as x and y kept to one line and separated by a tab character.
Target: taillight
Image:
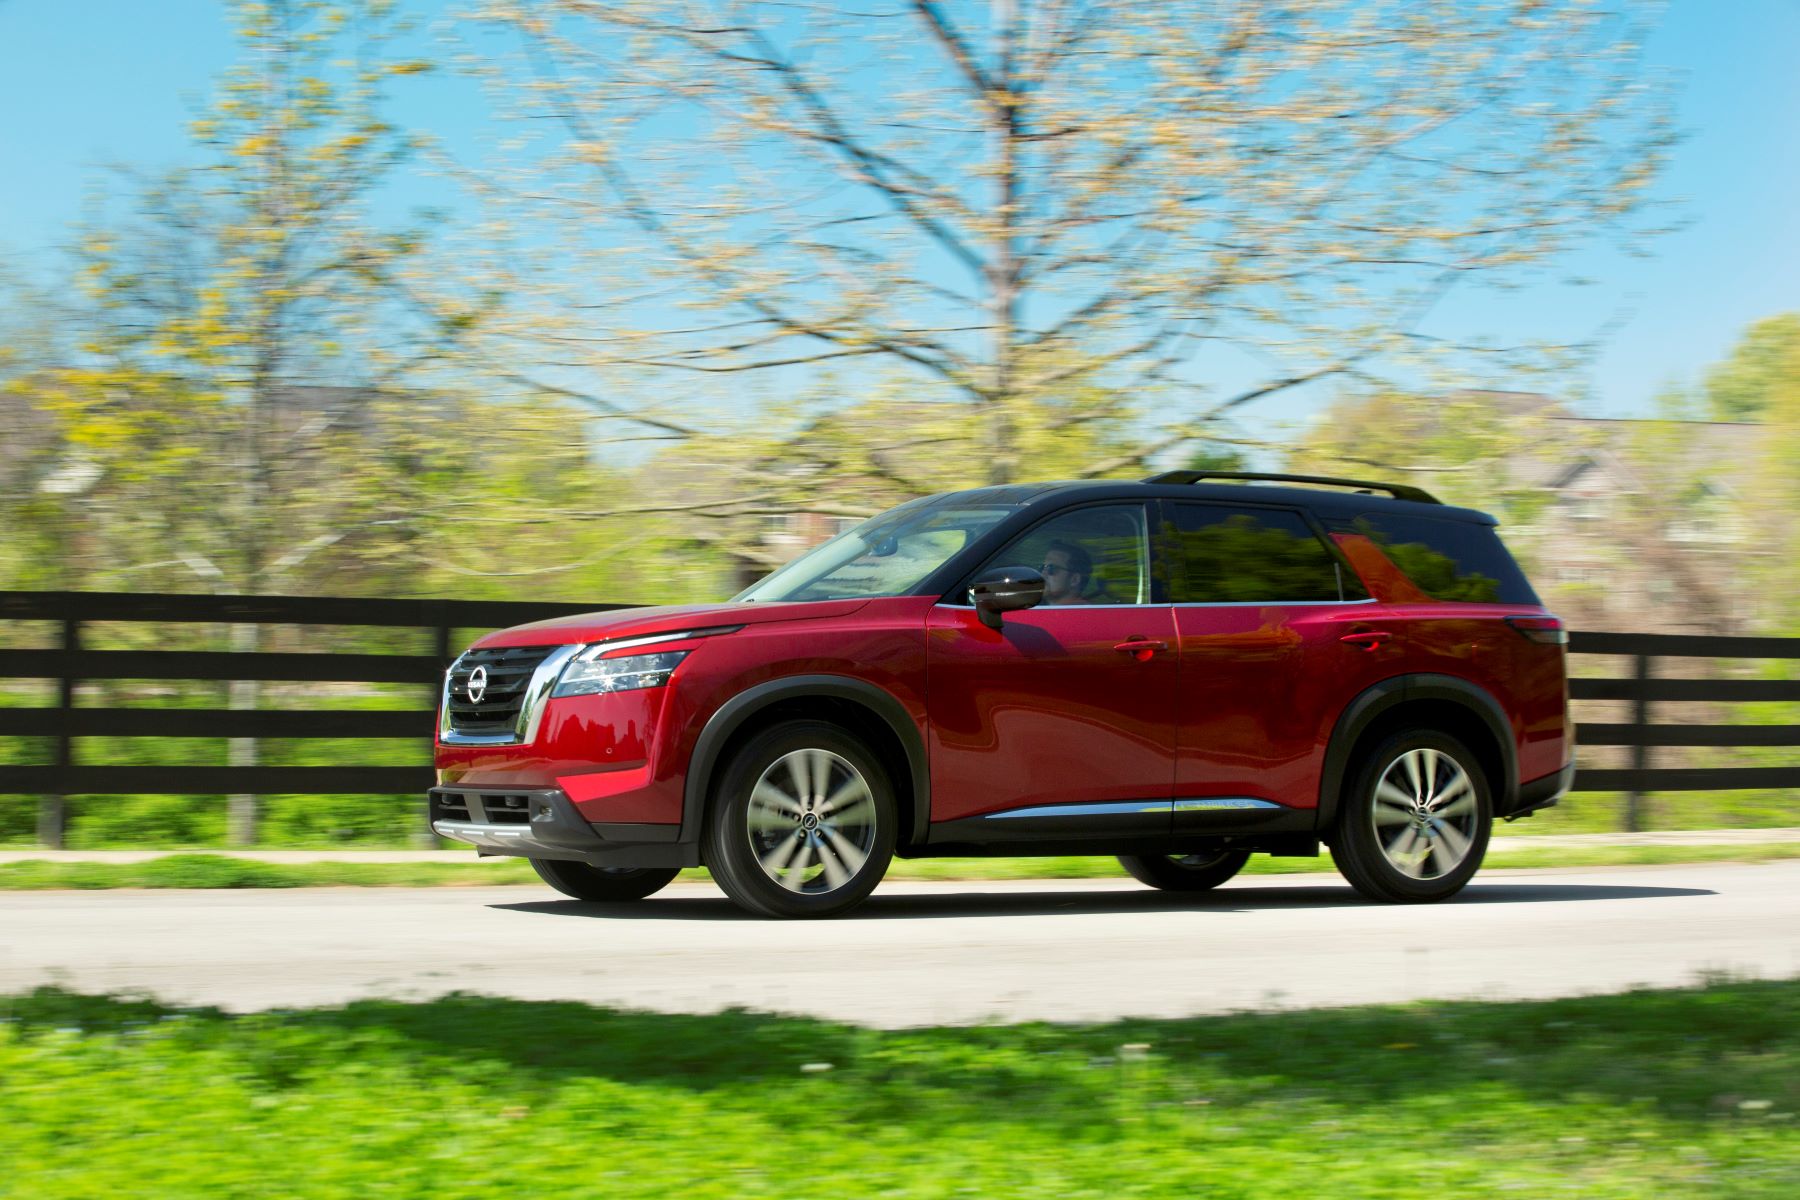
1547	631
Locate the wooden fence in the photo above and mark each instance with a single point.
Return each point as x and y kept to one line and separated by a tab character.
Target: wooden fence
69	663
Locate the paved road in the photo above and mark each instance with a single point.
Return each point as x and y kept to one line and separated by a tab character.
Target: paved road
923	953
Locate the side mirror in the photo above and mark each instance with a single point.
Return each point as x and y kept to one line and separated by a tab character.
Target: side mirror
1005	589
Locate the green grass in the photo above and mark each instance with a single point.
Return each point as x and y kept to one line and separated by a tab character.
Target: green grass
1651	1094
199	870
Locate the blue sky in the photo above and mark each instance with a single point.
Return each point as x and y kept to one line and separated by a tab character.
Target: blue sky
87	82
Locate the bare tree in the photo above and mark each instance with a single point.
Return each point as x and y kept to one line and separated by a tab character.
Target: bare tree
1003	197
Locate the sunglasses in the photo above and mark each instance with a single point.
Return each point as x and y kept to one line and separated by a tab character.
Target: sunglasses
1053	569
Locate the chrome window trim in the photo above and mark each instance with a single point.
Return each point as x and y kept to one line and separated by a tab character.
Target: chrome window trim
1051	607
531	708
1268	603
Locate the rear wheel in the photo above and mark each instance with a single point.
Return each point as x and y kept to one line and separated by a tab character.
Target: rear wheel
1185	872
803	822
1413	826
607	884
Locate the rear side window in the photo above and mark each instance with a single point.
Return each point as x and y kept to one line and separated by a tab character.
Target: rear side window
1230	555
1448	560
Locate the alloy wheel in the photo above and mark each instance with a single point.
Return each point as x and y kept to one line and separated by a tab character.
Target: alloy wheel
1425	814
811	821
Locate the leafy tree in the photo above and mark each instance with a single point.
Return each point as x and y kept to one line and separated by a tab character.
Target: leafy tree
1002	198
1759	368
219	299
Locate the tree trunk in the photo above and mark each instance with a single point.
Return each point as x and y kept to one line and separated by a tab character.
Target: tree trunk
1003	281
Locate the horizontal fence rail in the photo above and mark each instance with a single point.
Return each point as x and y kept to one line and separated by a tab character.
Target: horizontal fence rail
1642	688
72	662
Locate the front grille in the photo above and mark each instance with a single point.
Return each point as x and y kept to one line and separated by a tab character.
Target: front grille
508	675
482	808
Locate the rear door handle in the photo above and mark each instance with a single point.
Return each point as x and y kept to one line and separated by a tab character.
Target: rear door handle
1140	648
1368	640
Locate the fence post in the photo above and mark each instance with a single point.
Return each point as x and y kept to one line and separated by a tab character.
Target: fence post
426	839
53	811
1640	753
243	813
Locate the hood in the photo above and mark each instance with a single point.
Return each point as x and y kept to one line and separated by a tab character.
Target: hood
641	622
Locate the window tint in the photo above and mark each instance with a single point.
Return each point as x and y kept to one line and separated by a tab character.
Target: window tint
1094	555
1448	560
1244	555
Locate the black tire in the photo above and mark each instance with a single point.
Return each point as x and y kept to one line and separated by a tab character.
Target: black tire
604	884
1402	846
812	871
1185	872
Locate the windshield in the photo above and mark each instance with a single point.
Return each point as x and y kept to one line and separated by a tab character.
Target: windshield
888	555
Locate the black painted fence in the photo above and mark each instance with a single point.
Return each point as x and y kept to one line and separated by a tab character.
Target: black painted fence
69	664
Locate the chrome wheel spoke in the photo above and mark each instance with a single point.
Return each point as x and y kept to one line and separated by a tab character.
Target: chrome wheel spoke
1402	851
777	858
1411	762
836	876
859	812
1462	806
1459	785
819	766
847	853
797	773
769	794
1392	806
1451	842
852	792
761	820
795	878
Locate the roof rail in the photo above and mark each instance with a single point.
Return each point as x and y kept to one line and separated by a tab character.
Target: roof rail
1398	491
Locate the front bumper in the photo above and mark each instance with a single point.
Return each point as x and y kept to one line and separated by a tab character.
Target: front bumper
544	823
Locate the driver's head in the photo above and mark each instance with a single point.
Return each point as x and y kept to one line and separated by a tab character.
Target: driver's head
1066	570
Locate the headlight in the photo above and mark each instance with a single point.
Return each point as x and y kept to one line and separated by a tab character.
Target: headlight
590	675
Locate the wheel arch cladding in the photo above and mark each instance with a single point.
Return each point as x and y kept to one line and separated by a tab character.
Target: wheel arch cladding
874	715
1445	703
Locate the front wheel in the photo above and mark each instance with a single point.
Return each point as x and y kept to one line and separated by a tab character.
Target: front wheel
604	884
803	822
1185	872
1413	826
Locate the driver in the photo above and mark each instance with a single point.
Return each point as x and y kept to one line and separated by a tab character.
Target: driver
1067	568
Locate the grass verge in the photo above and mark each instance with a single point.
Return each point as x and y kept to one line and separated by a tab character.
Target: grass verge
200	870
1648	1094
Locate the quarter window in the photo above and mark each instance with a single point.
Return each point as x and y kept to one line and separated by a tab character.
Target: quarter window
1229	555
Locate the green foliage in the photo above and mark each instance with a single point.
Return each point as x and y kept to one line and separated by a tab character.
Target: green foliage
1764	363
1649	1094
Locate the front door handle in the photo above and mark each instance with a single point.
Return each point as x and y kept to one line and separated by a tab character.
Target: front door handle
1370	639
1140	648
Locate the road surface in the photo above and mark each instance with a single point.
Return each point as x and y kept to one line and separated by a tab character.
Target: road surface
923	953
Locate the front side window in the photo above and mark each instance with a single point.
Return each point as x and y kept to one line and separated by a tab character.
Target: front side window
1230	555
886	555
1094	555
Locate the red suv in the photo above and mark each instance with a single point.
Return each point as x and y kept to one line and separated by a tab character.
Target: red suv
1180	672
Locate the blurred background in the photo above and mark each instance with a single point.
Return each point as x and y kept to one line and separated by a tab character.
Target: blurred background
630	303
